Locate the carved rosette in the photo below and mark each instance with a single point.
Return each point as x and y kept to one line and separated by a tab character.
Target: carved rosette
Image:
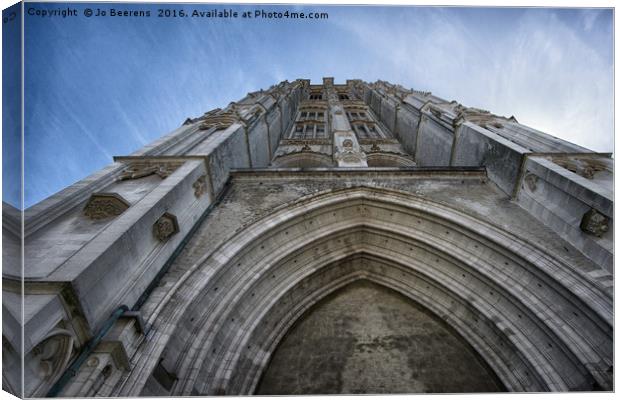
105	205
166	226
200	186
595	223
140	169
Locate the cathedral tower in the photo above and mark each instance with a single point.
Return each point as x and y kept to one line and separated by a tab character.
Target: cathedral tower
320	238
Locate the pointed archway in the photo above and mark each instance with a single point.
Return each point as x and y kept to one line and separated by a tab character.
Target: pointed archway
366	338
222	320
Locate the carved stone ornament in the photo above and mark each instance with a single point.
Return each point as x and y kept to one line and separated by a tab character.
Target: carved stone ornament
140	169
105	205
531	181
303	142
221	120
586	168
306	148
53	352
435	111
479	117
421	93
200	186
462	114
594	223
165	227
375	147
349	156
92	362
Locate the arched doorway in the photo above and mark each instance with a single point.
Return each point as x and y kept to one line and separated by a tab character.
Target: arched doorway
366	338
222	320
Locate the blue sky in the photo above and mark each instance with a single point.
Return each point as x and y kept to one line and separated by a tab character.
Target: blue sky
98	87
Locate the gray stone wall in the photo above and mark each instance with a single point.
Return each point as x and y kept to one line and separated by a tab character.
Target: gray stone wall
162	255
368	339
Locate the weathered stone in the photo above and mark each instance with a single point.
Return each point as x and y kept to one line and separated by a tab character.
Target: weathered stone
200	186
165	227
140	169
511	290
105	205
595	223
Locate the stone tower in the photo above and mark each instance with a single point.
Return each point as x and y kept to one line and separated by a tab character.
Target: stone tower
319	238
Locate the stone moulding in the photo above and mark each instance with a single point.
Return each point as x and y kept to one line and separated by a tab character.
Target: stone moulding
105	205
166	226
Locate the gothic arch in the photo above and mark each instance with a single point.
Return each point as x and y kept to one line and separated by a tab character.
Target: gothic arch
503	294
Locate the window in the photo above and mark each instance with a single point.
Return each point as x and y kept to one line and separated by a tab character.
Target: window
356	115
343	96
312	115
308	130
316	96
366	131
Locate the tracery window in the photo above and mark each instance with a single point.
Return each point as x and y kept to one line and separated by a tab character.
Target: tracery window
312	116
363	124
357	116
308	131
310	124
366	130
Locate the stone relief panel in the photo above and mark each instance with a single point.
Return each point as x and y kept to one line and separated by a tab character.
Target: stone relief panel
531	181
594	223
348	151
219	120
165	227
140	169
47	360
105	205
54	352
584	167
462	114
200	186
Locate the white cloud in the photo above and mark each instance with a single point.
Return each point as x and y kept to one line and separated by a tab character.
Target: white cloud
542	71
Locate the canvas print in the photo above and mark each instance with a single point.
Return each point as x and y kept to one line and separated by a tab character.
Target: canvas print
213	199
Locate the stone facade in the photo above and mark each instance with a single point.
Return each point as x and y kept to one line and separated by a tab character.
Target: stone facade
186	267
